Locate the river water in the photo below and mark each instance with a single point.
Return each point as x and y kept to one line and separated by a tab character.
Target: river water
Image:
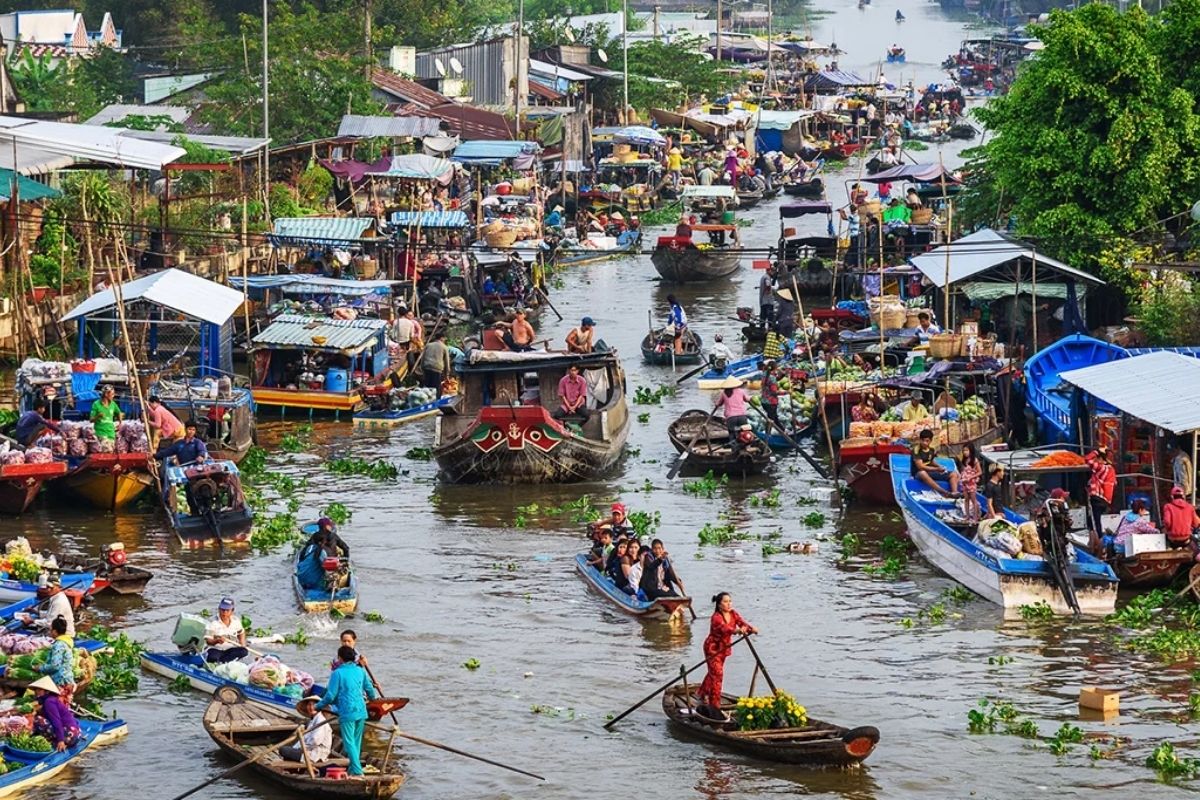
455	578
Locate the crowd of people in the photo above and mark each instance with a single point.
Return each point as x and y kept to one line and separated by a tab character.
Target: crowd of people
644	572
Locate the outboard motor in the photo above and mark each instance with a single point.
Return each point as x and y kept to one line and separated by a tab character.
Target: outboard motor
1053	523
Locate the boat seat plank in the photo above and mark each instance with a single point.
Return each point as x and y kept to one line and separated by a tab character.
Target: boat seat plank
790	734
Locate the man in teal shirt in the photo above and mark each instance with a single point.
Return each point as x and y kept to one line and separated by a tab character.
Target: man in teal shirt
348	686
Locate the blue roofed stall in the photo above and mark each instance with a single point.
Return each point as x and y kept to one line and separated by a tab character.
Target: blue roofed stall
483	153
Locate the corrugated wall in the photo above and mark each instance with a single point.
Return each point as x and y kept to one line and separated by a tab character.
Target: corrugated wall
487	67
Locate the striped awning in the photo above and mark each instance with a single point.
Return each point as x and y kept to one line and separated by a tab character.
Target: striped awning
430	219
321	231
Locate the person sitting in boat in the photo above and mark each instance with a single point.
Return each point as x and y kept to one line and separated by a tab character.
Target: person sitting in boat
864	410
349	688
684	229
602	549
897	214
613	565
1179	519
1134	521
54	604
916	409
658	576
555	218
926	469
725	623
926	327
325	543
54	719
519	334
890	157
188	450
572	395
633	567
707	176
31	424
318	735
225	636
719	353
913	199
580	340
618	521
735	402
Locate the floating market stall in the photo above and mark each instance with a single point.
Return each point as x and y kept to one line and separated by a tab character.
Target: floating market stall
333	247
432	246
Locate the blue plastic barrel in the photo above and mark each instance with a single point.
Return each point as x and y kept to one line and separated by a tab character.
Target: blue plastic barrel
337	380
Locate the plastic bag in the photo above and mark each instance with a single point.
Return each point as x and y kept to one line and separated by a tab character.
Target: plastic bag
40	455
267	673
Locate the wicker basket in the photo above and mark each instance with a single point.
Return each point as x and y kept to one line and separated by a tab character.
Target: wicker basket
912	318
944	345
871	208
621	149
922	216
501	239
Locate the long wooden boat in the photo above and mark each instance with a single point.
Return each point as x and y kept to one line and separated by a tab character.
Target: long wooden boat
199	677
20	484
749	199
658	349
243	729
818	744
812	189
106	481
220	512
504	430
578	255
320	601
660	609
1152	570
679	260
26	770
187	401
1009	582
706	442
118	579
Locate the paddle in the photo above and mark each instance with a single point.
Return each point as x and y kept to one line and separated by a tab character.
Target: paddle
803	453
546	297
663	688
683	456
762	666
456	751
379	689
705	365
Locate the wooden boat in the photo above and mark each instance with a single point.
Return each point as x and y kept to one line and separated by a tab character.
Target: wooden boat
896	55
864	468
339	573
1152	570
505	431
681	261
811	189
26	770
111	571
20	484
842	151
708	446
106	481
192	400
818	744
242	729
372	419
749	199
199	677
658	349
213	506
1011	583
604	248
660	609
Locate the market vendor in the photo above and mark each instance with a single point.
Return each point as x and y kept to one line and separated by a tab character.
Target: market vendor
225	636
31	424
164	425
106	414
52	604
926	327
926	469
54	719
915	410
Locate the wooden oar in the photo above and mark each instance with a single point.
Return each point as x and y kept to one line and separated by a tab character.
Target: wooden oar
456	751
762	666
257	757
379	689
546	297
663	688
705	365
683	456
803	453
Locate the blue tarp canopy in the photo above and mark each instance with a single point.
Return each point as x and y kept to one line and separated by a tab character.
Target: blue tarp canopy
417	166
491	153
311	285
431	219
27	189
320	231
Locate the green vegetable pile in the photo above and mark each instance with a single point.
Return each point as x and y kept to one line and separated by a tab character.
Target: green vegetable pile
30	742
971	409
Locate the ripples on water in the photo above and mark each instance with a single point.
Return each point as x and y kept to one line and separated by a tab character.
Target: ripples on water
435	562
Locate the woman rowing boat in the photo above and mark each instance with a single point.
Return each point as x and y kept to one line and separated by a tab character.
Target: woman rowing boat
717	647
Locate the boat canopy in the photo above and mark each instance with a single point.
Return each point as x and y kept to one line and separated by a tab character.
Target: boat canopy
431	219
916	173
294	332
321	231
175	289
1159	388
506	361
416	166
804	207
697	191
640	135
312	284
985	250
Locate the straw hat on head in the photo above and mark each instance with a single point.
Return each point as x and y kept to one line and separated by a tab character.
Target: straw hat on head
731	383
303	701
676	151
786	294
46	683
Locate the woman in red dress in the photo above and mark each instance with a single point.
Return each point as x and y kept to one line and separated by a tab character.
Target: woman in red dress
725	624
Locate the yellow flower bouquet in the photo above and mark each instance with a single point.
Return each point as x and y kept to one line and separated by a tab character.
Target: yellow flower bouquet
762	713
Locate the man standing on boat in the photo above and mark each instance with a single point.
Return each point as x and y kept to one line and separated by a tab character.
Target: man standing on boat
435	362
677	322
106	414
1100	492
349	687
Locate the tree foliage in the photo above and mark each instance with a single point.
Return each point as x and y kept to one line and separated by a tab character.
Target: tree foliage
1097	138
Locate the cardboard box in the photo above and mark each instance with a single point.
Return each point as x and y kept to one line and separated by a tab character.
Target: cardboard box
1097	699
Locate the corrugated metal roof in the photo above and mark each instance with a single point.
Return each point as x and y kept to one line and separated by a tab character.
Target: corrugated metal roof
557	71
172	288
119	111
320	230
39	144
388	127
1160	388
348	336
234	145
488	150
312	284
404	89
470	122
981	251
431	219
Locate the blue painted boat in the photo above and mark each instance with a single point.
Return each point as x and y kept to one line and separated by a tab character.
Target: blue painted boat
321	601
663	608
392	418
1009	582
172	665
626	243
26	770
1049	396
745	368
221	512
12	591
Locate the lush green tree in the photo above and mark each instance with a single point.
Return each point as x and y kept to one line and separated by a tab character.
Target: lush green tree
1095	140
662	73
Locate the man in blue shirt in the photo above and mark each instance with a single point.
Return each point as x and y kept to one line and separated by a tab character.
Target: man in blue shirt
348	687
31	423
187	450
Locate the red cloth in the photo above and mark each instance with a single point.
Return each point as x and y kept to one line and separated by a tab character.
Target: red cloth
717	647
1178	519
1104	478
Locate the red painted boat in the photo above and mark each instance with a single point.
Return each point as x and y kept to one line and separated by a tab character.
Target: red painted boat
865	470
20	483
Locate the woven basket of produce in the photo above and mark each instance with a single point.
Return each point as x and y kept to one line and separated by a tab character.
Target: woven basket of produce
922	216
944	345
911	318
522	185
871	208
501	238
